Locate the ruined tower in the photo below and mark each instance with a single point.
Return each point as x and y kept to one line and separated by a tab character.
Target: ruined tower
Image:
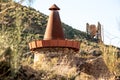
91	30
99	30
94	31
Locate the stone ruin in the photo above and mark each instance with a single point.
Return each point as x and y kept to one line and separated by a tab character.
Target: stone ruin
94	32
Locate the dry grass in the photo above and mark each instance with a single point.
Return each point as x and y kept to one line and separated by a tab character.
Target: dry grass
64	70
110	58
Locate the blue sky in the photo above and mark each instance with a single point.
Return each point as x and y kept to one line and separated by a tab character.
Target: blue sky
77	13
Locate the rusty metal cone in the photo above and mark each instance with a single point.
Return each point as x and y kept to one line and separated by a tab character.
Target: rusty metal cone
54	28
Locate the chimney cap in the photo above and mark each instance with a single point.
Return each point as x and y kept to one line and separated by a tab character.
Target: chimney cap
54	7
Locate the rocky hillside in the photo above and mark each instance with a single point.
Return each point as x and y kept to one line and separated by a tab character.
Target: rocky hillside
20	24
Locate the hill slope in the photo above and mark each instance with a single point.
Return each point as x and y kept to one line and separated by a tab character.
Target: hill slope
31	21
20	24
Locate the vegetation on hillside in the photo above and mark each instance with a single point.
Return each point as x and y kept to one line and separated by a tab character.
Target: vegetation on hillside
20	24
31	21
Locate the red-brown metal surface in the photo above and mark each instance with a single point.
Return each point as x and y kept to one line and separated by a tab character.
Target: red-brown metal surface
69	44
54	7
61	42
54	43
33	44
30	46
39	43
54	36
54	28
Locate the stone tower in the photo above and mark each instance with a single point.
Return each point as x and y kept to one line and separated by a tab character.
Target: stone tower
95	32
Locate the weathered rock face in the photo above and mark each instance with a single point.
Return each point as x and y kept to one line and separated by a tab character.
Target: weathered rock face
46	54
66	62
60	60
